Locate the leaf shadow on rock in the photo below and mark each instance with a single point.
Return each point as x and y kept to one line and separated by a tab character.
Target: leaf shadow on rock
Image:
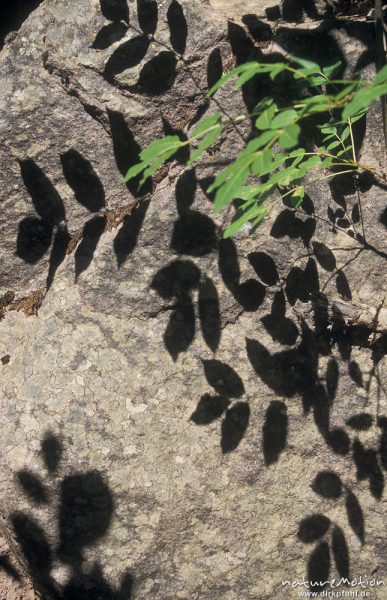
177	26
83	180
147	15
128	55
275	430
194	233
109	34
45	198
176	282
126	152
367	465
115	10
294	10
7	566
209	313
35	232
214	67
157	75
319	566
250	293
92	232
85	511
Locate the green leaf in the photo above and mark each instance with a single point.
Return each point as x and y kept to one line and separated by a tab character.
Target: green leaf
205	143
206	124
363	99
265	119
284	177
284	118
242	217
247	75
260	141
160	147
328	128
229	190
290	136
381	76
298	196
334	145
258	220
262	163
133	171
308	64
345	133
277	69
332	69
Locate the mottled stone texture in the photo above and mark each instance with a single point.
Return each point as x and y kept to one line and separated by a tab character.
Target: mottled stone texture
176	421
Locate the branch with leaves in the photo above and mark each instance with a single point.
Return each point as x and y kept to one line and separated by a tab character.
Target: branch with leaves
273	159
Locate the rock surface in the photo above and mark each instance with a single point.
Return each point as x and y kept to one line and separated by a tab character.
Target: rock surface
175	422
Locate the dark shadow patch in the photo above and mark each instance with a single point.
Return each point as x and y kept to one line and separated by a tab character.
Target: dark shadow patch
360	422
58	253
180	331
287	224
324	256
126	151
265	267
46	200
92	231
115	10
126	56
177	26
234	426
158	74
275	431
293	10
209	313
259	30
355	373
33	239
313	528
209	409
250	294
108	35
86	508
366	461
301	284
342	286
194	234
215	68
340	552
127	236
281	329
382	423
51	450
13	14
327	484
332	378
35	548
178	280
223	378
32	486
383	218
147	15
319	566
85	512
6	565
83	180
355	515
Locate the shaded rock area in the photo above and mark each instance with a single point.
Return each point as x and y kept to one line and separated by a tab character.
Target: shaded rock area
177	419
